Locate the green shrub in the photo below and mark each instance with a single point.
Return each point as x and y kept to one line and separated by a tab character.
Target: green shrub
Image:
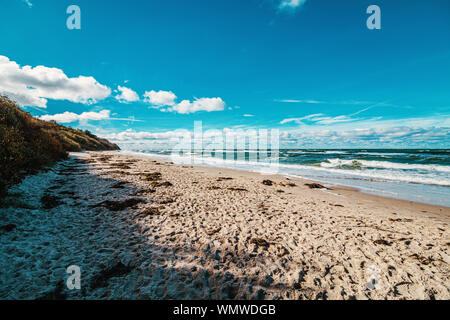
27	143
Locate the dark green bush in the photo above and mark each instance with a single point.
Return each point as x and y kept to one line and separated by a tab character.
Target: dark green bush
27	144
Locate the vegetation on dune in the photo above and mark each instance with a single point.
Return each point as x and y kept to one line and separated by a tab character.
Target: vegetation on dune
27	143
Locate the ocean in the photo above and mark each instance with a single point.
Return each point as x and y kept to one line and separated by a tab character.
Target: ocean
421	175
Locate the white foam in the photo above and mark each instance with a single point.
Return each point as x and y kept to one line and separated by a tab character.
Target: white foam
431	177
332	163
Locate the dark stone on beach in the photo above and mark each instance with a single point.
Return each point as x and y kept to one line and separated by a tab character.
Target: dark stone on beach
214	188
49	202
8	227
315	186
383	242
268	182
118	205
118	270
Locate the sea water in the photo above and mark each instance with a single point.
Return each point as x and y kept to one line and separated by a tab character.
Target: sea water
408	174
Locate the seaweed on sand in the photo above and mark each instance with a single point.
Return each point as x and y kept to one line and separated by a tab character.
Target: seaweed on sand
49	201
117	270
118	205
315	186
161	184
152	176
260	242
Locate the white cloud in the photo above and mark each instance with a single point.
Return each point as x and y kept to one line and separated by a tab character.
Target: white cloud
291	4
130	135
299	120
30	86
373	132
331	120
165	102
202	104
248	115
126	95
298	101
321	119
68	117
160	98
347	102
412	132
403	136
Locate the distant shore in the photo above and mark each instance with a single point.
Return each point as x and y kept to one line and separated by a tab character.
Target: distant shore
144	228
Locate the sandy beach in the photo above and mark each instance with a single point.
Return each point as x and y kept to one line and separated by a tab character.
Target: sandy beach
142	228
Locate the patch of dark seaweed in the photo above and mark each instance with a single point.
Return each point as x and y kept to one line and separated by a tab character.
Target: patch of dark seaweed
49	201
161	184
8	228
55	294
119	185
118	205
315	186
153	176
149	212
144	191
383	242
260	242
117	270
224	178
237	189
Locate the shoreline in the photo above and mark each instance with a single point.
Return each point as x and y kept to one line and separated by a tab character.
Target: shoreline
370	196
149	229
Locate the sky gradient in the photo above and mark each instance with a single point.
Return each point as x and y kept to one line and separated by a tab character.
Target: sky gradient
138	70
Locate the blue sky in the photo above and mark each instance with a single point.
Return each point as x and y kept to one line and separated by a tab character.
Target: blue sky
138	70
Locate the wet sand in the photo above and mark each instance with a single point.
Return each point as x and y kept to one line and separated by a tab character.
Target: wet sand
143	228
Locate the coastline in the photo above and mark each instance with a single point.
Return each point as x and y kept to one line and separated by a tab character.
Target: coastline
428	192
191	232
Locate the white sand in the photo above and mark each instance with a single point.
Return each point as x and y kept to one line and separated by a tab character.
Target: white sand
206	238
